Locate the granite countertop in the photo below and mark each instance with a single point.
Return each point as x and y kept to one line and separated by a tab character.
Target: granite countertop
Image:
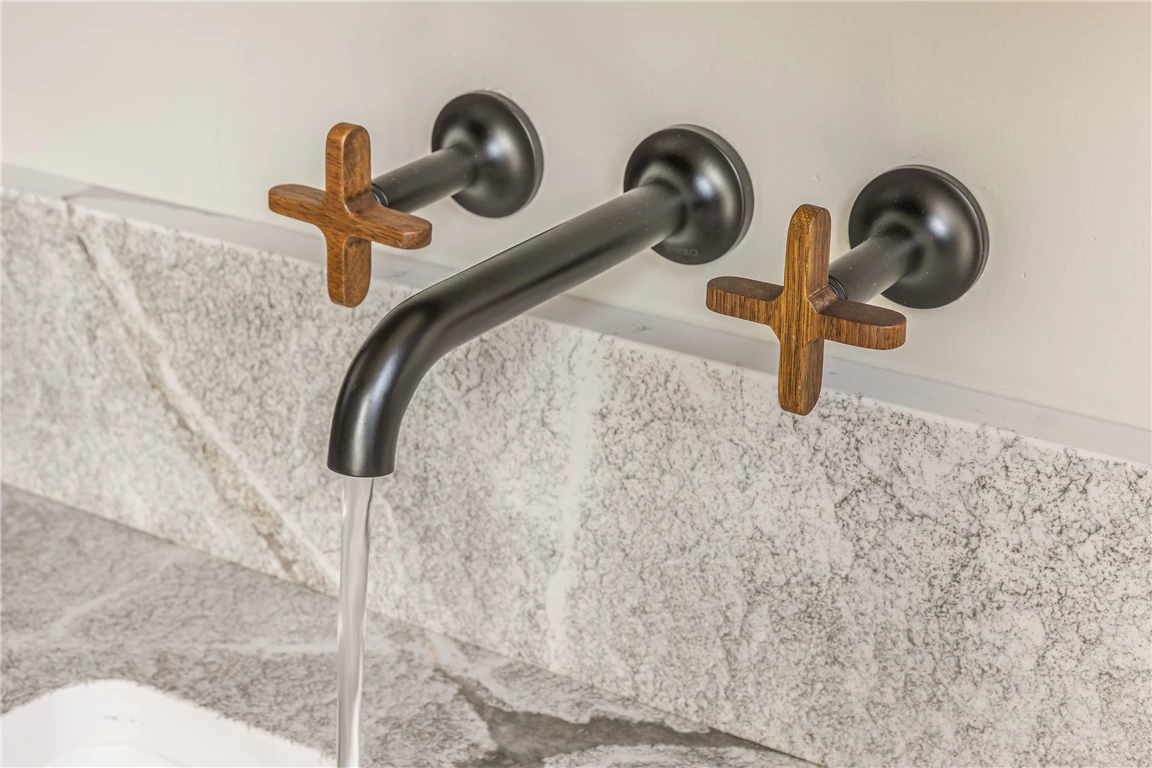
87	599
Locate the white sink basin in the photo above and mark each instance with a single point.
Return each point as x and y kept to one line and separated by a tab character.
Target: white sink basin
118	723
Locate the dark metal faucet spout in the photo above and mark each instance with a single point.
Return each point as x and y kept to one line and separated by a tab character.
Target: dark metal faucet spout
662	204
426	326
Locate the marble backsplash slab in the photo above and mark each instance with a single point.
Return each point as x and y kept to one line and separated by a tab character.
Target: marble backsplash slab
866	585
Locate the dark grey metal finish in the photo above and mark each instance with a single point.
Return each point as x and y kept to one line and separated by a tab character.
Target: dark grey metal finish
420	330
422	182
875	265
486	155
918	236
712	173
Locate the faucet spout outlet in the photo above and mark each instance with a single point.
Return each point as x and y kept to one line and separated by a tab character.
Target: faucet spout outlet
687	195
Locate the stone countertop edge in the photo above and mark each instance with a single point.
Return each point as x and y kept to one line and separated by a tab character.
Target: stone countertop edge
85	599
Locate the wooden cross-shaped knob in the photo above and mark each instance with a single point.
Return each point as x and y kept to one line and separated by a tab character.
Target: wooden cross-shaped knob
805	311
348	214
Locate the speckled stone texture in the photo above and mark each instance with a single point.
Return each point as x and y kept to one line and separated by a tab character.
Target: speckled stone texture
86	600
863	586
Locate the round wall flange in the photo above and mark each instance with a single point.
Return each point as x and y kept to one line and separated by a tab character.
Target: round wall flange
945	220
714	181
501	137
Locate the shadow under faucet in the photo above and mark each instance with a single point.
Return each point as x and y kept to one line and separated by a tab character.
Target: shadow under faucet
687	194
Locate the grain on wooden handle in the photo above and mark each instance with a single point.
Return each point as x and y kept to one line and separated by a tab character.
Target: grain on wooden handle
804	312
348	214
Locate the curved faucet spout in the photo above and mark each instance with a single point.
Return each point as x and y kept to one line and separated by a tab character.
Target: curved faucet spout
426	326
667	200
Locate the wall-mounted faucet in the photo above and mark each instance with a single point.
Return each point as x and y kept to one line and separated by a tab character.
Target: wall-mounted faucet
687	194
485	154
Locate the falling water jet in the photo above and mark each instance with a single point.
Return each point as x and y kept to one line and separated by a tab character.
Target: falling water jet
353	608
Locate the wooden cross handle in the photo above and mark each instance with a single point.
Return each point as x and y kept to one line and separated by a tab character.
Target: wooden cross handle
805	311
348	214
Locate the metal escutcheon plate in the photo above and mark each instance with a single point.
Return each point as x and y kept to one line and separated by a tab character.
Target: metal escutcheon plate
714	181
943	216
502	137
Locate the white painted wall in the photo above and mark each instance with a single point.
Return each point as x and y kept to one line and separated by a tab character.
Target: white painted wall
1042	110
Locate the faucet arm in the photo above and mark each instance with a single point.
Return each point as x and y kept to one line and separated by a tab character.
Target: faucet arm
688	196
423	328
